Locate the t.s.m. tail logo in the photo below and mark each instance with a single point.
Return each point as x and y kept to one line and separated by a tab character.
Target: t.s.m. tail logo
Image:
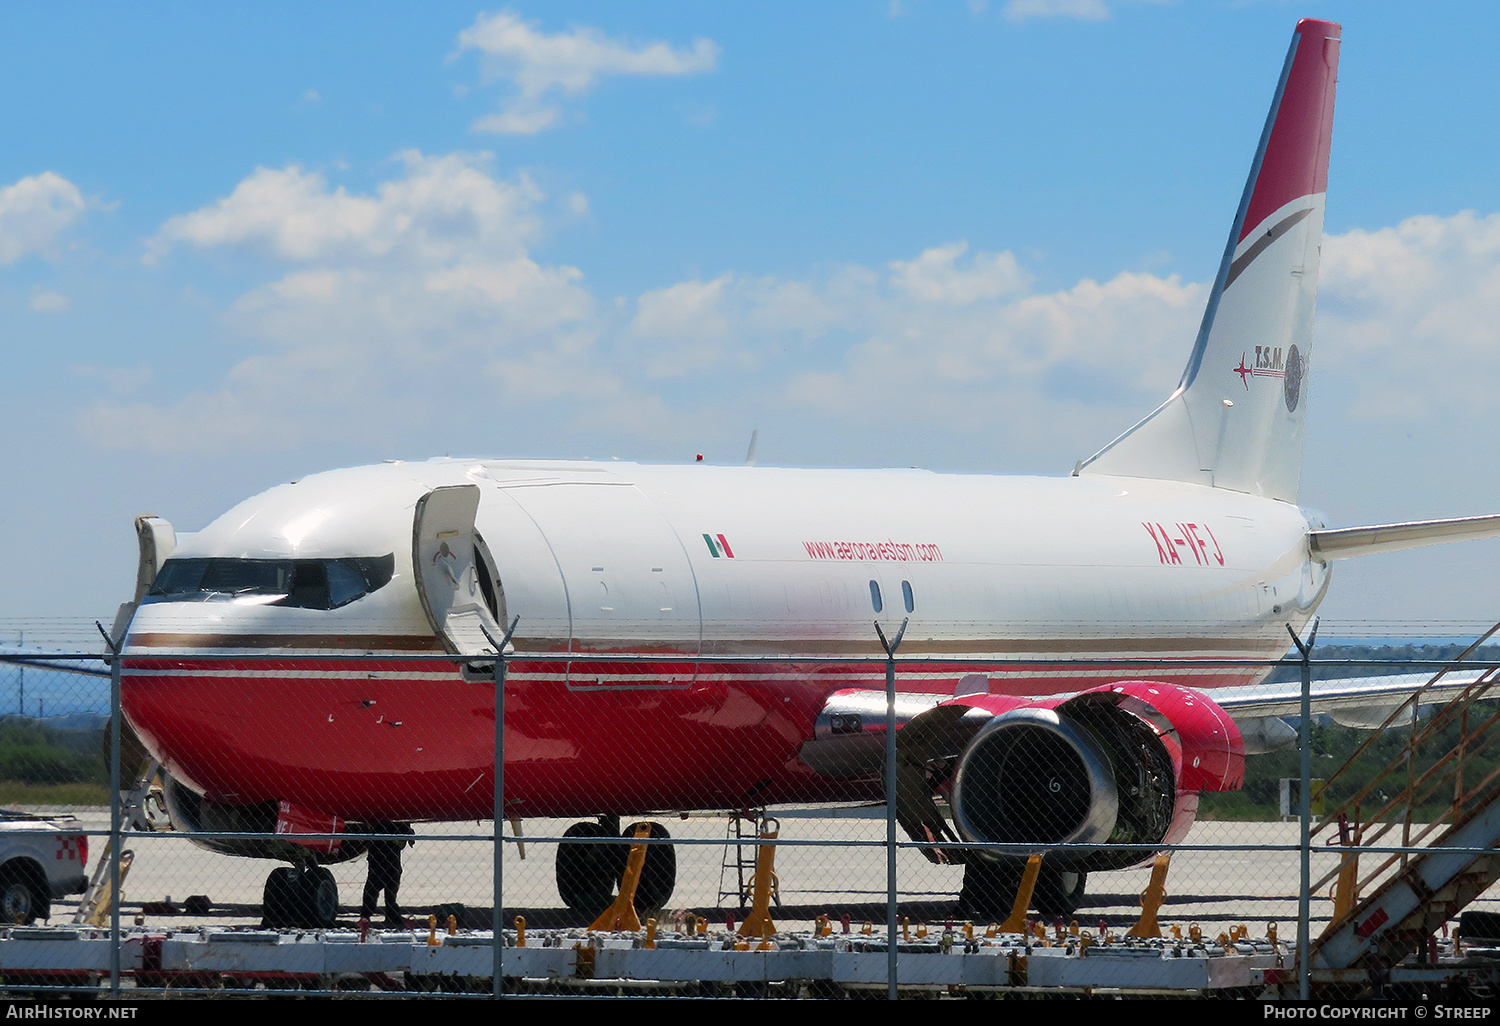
1291	384
1271	362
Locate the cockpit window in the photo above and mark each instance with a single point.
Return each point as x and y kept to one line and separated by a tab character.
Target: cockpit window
299	583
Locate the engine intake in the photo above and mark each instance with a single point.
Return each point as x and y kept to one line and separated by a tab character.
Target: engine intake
1085	773
1032	777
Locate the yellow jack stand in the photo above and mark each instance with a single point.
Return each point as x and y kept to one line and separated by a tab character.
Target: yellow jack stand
94	908
1152	898
620	916
1346	885
1017	921
758	923
1345	889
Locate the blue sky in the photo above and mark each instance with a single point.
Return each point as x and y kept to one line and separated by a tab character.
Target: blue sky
240	245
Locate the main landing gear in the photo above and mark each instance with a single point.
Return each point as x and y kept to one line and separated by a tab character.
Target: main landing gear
302	897
990	889
588	874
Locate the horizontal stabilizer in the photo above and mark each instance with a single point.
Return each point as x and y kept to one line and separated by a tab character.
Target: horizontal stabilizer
1357	541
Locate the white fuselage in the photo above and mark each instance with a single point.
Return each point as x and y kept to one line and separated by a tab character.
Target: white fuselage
1022	587
749	560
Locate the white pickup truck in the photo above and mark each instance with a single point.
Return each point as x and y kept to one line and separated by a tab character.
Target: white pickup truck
41	858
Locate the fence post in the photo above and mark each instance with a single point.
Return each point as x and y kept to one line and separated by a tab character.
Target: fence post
497	911
115	723
890	803
1304	744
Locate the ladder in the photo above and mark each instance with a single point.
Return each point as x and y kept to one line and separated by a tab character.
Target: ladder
140	810
737	868
1409	896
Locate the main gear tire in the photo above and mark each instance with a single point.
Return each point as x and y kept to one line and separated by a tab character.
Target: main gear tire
658	874
280	902
989	890
1058	892
587	873
318	898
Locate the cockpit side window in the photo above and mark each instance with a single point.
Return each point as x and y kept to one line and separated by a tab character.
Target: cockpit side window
345	584
297	583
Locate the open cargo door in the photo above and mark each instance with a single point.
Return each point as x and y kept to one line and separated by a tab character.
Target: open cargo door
156	541
461	599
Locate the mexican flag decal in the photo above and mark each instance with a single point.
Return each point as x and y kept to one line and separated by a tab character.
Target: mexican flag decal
718	546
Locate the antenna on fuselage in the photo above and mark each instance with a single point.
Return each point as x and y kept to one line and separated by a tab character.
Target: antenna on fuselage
750	452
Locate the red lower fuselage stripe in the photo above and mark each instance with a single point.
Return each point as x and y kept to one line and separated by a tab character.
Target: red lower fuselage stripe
414	739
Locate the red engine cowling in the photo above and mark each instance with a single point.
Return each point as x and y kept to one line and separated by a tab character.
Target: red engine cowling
1117	765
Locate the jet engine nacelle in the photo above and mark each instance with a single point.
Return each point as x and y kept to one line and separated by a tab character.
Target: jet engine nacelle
1118	765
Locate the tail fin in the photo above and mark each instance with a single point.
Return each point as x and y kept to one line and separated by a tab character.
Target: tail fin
1235	420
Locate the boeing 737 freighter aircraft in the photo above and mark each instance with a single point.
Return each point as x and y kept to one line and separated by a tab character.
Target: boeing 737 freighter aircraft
1180	540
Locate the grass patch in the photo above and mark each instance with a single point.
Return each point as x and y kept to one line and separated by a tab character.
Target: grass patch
1234	807
14	792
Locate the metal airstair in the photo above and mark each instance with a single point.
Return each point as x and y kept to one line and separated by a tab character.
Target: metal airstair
737	867
141	809
1388	904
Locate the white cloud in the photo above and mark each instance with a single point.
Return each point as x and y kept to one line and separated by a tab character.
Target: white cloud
935	275
382	312
1408	333
680	327
120	380
350	355
543	65
1011	365
353	352
420	303
1079	10
689	309
45	301
1410	315
34	213
919	330
522	117
440	207
1084	10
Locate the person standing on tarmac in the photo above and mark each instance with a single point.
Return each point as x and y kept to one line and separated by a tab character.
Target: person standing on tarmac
385	872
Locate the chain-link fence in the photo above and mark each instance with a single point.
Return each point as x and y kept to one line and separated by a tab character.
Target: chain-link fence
719	825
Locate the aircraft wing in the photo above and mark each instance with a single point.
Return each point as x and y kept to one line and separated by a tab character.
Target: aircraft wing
1362	702
67	662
